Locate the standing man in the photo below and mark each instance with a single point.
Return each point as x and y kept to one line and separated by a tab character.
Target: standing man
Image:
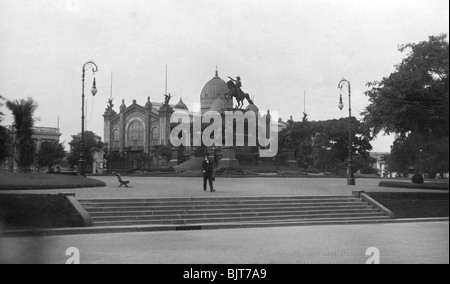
207	167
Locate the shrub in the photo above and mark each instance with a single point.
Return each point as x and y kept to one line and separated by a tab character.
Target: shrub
417	179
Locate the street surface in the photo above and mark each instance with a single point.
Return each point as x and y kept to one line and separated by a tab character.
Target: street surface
396	243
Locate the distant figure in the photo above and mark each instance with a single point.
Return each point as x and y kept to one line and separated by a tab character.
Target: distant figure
208	172
167	99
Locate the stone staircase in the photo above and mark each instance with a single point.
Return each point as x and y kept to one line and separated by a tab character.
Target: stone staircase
227	210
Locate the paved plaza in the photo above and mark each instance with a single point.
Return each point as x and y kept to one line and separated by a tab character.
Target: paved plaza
148	187
397	243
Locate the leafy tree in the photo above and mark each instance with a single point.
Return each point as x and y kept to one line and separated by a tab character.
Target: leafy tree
4	138
387	159
163	152
413	103
115	160
324	144
1	104
93	143
23	111
50	154
415	97
427	154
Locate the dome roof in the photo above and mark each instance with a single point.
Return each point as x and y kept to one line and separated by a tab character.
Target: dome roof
214	89
181	105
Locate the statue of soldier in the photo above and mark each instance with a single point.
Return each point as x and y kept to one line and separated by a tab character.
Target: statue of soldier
238	83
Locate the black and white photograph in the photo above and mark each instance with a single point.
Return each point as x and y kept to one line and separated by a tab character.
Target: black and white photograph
224	137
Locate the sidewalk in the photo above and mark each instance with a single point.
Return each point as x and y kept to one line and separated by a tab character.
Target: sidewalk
151	187
396	242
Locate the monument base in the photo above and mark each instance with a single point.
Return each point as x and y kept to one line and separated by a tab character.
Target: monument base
228	163
289	157
173	162
228	158
291	164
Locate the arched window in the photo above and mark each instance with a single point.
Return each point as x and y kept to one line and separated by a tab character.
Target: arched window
116	139
135	134
155	135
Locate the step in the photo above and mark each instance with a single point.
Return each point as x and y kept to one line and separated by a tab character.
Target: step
144	211
169	199
218	203
324	220
214	199
231	219
222	207
246	219
227	215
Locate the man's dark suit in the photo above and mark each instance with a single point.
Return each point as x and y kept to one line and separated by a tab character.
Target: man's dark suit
207	167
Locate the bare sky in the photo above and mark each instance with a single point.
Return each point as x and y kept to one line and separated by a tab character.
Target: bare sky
280	49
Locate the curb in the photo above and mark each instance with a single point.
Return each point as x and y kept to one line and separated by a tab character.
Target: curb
161	228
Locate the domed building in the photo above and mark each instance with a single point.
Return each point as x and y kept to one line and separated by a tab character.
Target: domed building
140	129
213	94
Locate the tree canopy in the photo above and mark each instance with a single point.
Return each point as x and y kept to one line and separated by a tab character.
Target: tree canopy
93	143
415	97
324	145
50	153
413	103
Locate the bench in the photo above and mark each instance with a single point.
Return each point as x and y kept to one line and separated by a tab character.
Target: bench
121	181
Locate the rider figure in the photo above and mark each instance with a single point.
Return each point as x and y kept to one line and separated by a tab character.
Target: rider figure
238	83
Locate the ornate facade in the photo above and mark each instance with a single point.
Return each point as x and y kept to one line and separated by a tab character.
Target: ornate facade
137	128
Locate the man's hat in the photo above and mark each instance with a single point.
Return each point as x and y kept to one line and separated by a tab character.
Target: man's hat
237	77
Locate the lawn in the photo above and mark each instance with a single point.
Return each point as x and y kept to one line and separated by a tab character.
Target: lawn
17	181
414	204
439	185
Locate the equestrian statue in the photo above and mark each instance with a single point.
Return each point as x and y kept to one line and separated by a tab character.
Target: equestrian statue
234	90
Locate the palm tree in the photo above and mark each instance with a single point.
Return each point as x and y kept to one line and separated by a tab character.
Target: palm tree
23	111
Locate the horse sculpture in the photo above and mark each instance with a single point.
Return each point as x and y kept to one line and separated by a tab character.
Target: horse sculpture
239	95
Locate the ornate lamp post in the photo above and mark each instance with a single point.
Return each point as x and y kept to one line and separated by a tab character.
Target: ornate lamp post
350	173
12	147
82	161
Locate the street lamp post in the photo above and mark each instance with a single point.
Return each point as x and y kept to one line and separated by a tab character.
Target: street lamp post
82	161
12	147
350	171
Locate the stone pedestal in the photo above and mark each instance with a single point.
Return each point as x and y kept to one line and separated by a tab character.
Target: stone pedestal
228	158
164	124
174	161
289	158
